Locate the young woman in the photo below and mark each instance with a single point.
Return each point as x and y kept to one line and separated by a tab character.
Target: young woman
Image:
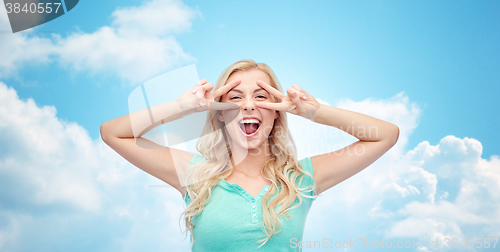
247	190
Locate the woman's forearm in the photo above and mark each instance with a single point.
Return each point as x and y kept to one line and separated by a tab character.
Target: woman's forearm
363	127
138	123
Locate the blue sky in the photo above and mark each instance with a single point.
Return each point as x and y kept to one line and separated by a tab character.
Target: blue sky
430	67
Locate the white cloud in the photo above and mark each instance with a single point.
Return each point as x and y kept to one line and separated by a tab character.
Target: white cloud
400	191
17	49
461	193
41	152
138	45
154	18
446	190
10	232
54	177
134	59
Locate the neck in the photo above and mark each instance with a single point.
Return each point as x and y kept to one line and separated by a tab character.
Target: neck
250	161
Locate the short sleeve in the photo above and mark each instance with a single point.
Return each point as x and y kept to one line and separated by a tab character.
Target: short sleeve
194	160
307	166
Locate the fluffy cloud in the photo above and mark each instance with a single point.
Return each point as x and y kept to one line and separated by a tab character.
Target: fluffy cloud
451	193
138	44
60	187
466	192
442	191
17	49
39	151
154	18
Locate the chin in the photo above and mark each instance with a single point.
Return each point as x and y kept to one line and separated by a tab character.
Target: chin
251	145
248	144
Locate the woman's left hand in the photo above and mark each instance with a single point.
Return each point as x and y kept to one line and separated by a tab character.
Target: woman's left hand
294	102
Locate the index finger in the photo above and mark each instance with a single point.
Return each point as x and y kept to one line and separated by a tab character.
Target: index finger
271	90
224	89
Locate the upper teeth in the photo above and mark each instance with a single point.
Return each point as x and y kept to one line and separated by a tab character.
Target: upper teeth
250	121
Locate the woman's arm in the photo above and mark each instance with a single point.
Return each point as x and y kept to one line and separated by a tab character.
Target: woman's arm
143	121
363	127
375	136
162	162
166	164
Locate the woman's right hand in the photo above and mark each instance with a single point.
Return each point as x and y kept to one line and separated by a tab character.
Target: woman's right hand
200	96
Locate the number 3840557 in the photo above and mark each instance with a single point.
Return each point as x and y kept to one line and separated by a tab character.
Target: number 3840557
32	8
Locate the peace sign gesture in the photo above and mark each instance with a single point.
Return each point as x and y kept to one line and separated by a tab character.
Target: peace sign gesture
200	98
305	106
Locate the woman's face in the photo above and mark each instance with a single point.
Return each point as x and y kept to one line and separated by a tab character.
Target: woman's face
252	126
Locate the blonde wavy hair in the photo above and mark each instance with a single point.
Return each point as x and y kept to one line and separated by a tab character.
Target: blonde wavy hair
282	169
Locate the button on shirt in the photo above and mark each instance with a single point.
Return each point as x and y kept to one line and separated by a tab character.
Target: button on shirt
231	219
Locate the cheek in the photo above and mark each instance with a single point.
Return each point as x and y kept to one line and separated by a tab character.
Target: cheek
268	116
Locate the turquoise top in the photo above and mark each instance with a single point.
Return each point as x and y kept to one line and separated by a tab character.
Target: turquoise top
231	219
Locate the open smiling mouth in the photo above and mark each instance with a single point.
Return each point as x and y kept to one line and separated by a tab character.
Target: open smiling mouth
249	127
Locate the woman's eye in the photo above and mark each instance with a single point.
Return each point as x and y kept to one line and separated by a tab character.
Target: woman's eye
237	97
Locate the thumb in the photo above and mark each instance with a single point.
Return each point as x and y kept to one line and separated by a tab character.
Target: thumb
294	95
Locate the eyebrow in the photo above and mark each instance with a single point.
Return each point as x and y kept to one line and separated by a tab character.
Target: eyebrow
239	91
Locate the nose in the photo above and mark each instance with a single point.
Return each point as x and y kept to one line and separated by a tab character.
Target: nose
248	105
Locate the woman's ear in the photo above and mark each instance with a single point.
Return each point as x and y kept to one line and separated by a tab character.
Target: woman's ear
221	119
277	115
